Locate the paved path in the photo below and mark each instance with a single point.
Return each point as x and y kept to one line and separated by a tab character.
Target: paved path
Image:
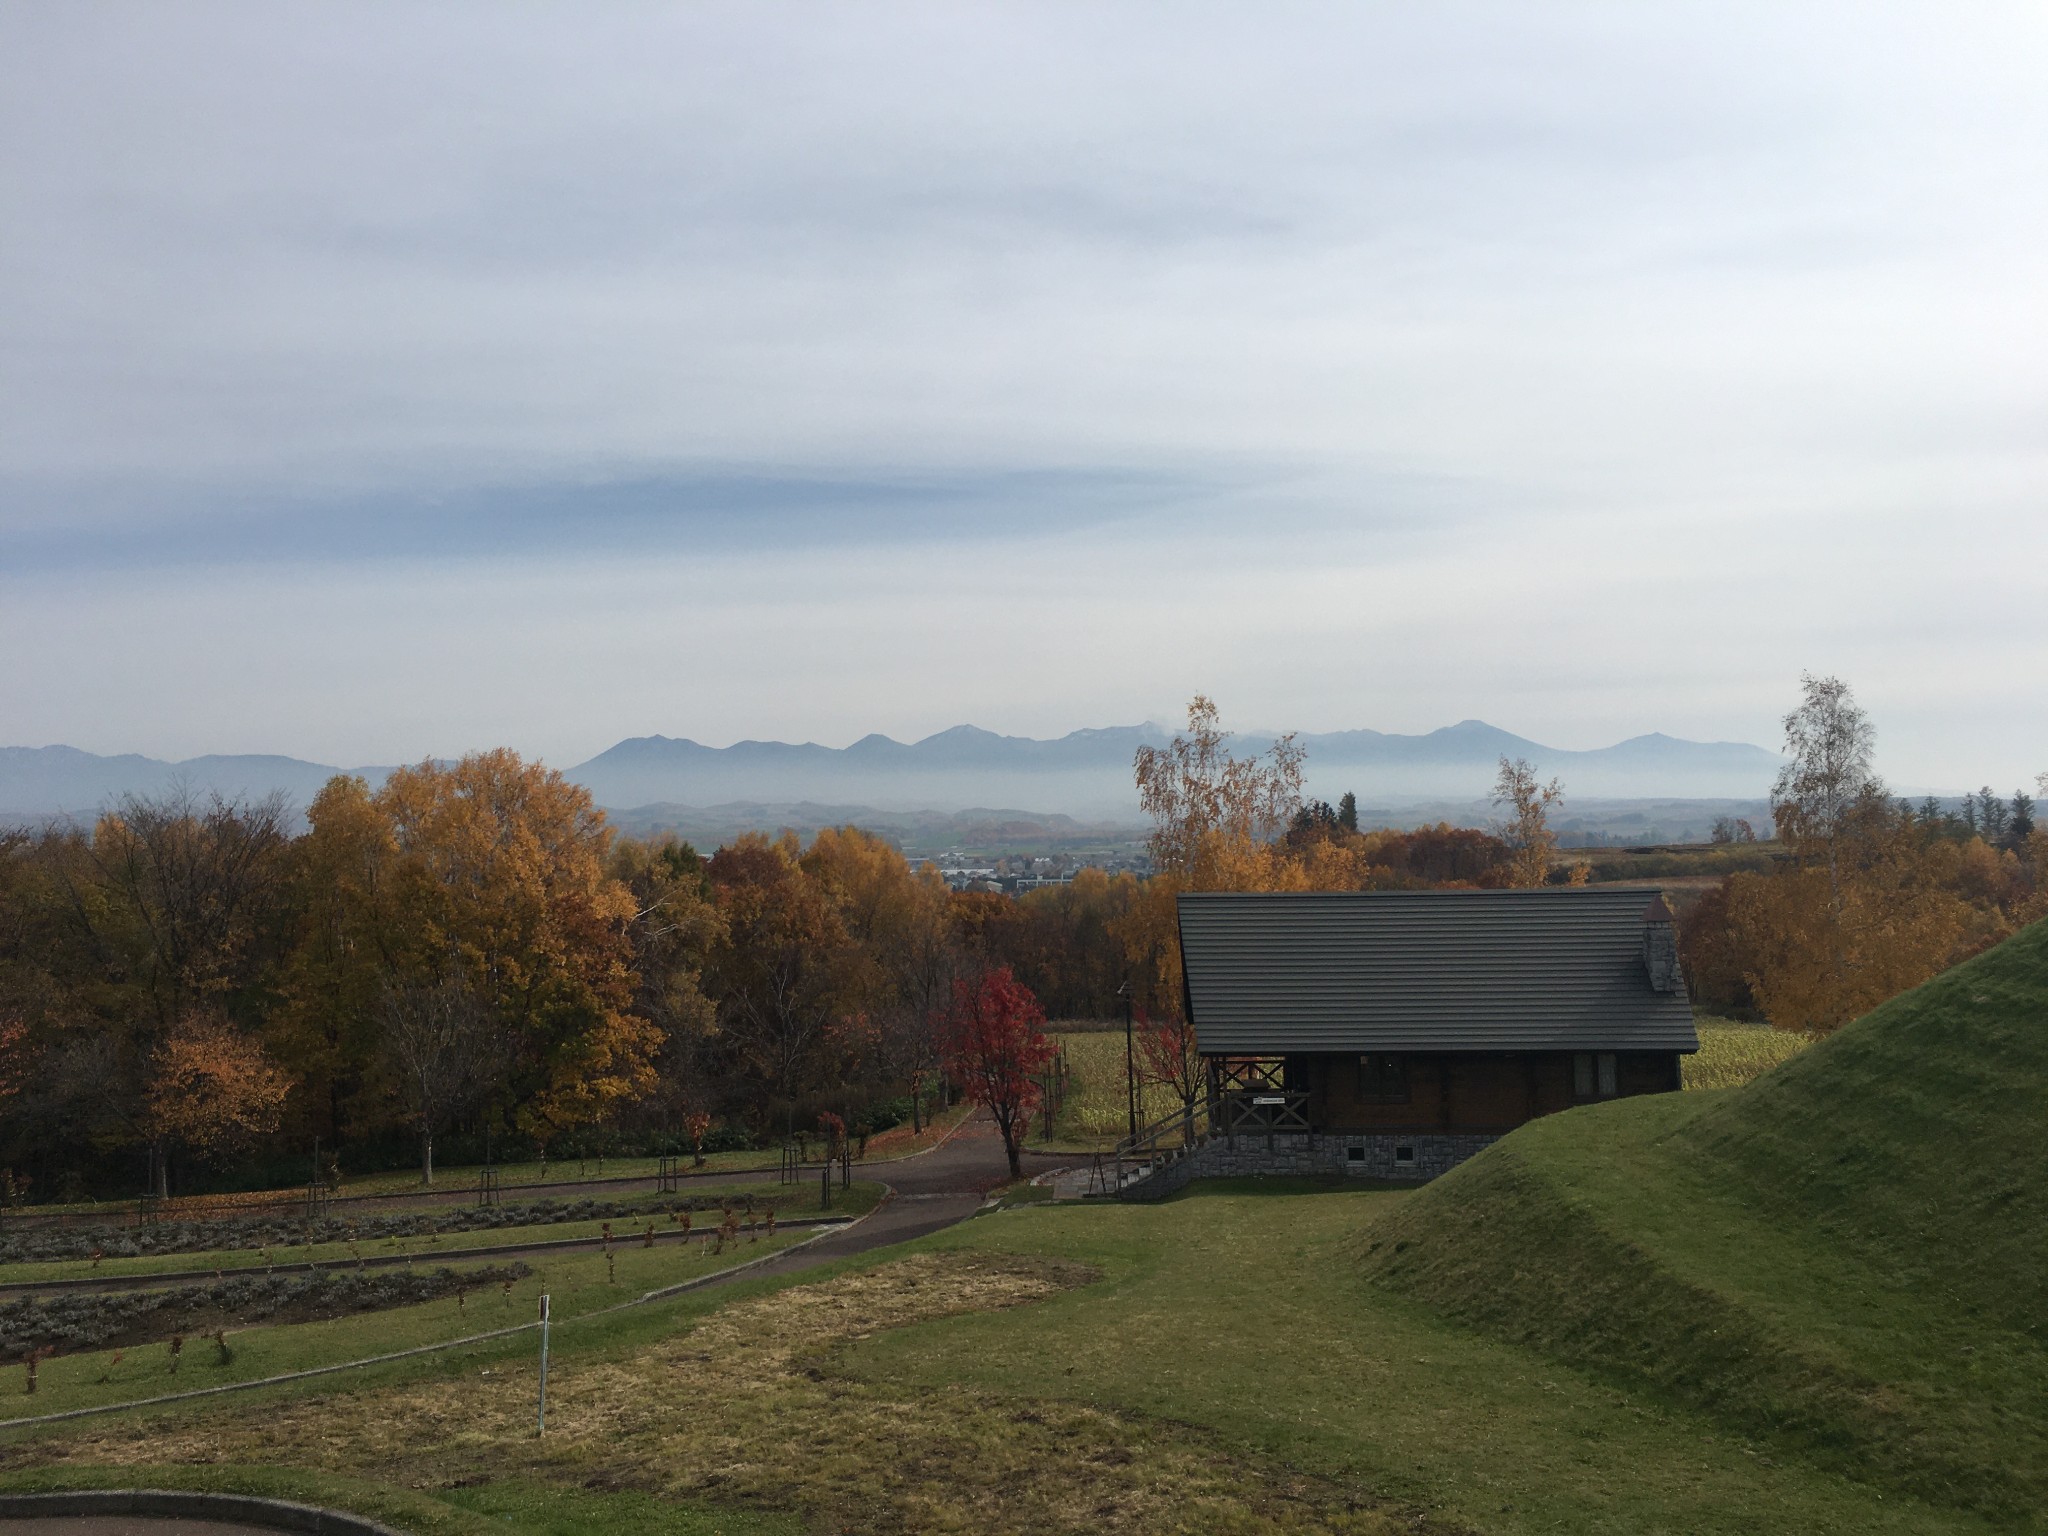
931	1190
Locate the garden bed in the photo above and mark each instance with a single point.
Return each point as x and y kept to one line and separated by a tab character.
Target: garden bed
49	1244
72	1324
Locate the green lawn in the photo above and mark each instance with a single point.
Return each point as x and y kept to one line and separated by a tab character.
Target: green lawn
1848	1257
1227	1328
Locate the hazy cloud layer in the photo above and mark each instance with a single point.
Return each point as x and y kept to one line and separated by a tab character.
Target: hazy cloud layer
385	380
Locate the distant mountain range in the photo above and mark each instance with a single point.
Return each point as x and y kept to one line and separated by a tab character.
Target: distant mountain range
1084	774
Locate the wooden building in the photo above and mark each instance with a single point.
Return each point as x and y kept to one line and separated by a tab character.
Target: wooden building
1396	1032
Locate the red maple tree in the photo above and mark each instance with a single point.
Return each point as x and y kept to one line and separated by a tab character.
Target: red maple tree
1169	1055
993	1044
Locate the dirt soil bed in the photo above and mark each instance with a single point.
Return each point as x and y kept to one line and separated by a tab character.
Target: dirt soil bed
46	1244
69	1324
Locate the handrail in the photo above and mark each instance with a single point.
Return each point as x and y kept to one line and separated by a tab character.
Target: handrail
1182	1120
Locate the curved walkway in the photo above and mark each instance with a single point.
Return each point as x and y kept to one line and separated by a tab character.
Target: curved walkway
928	1191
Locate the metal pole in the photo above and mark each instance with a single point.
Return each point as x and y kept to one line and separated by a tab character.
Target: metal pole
1130	1063
541	1426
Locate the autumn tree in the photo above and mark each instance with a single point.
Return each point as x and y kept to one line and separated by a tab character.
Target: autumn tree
782	973
1525	829
1828	775
1870	903
675	927
1206	803
189	897
994	1046
898	923
1169	1055
14	1057
1215	816
499	874
211	1089
443	1051
351	946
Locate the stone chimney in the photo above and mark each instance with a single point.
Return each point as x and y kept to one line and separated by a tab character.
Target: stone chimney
1660	948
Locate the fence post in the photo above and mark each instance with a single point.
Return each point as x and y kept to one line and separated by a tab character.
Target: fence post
541	1426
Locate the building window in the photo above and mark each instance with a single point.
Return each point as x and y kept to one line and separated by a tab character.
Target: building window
1404	1157
1594	1075
1354	1154
1383	1080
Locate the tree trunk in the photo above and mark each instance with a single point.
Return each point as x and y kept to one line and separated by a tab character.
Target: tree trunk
1009	1129
426	1154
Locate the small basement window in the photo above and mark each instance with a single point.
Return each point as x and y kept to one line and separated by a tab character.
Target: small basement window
1404	1157
1382	1080
1594	1075
1354	1154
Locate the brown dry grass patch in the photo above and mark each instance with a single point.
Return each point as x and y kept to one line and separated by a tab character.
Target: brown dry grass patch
747	1408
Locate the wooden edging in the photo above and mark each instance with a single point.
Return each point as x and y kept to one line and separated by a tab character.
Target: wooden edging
144	1279
167	1503
428	1349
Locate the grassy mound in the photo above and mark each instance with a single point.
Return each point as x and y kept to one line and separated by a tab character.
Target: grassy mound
1847	1259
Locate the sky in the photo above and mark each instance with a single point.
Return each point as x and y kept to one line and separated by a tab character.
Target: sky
384	380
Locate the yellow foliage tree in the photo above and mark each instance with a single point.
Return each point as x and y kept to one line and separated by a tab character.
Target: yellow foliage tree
499	874
1215	817
211	1087
1870	906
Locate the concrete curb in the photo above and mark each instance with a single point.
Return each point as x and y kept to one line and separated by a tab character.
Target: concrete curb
164	1503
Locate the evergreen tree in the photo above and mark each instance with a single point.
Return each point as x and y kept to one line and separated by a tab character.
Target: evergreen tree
2020	825
1990	816
1347	812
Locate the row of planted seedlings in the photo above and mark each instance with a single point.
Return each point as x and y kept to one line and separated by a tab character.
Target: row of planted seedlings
258	1234
118	1323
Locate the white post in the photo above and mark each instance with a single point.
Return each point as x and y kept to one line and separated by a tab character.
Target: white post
542	1427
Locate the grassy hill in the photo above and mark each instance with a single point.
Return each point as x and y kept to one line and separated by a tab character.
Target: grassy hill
1847	1260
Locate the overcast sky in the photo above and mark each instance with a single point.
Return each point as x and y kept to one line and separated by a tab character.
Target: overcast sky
378	381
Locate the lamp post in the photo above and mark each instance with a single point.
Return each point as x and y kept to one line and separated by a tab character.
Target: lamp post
1130	1063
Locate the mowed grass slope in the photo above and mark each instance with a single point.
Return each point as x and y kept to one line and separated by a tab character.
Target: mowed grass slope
1847	1259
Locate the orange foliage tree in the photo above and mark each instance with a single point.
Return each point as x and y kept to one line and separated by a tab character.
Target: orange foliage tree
783	971
497	873
211	1088
1215	817
1871	899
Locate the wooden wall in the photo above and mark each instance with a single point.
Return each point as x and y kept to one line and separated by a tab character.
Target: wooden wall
1465	1092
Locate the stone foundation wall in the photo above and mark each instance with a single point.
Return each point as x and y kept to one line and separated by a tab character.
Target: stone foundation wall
1295	1155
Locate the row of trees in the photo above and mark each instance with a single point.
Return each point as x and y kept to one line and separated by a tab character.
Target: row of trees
470	948
1871	895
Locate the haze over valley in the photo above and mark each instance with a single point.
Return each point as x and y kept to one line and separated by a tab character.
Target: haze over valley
1084	776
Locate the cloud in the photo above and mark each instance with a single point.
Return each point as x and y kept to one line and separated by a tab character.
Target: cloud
1634	332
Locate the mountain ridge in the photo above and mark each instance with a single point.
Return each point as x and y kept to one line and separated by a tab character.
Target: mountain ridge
1085	773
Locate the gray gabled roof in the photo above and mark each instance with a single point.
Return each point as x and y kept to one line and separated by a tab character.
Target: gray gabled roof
1362	971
